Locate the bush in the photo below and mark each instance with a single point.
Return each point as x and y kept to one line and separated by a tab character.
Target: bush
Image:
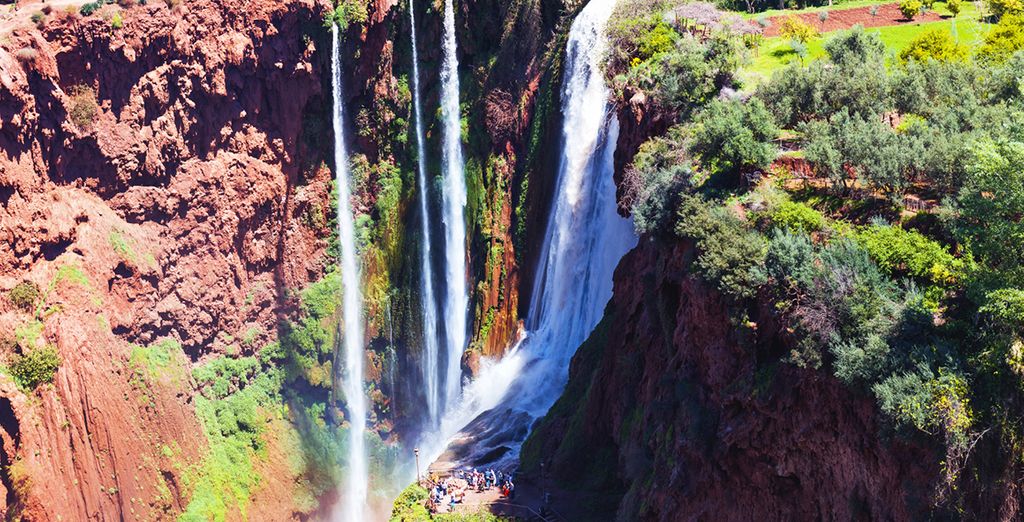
795	217
410	506
1001	8
89	8
26	55
954	7
730	256
910	8
793	28
934	44
660	170
1003	40
116	22
347	12
37	366
24	295
83	107
908	252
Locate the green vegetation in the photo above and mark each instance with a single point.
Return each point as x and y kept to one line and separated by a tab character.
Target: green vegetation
1005	39
910	8
347	12
82	106
934	44
410	506
24	296
36	366
925	314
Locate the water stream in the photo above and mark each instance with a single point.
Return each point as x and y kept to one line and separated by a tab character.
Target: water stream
456	295
430	368
354	492
584	240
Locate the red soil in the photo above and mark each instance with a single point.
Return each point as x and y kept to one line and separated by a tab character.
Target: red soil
888	14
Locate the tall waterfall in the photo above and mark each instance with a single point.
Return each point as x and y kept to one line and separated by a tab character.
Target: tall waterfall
584	241
431	371
354	495
457	299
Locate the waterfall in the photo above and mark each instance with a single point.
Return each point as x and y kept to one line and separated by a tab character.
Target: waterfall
354	495
584	240
431	371
457	299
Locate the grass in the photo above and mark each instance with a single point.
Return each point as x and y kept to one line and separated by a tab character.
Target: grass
776	52
838	6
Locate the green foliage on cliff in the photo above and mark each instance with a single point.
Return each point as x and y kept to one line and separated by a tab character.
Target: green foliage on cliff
924	314
410	506
234	409
34	367
24	295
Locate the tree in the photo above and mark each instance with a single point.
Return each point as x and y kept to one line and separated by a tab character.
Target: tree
854	78
910	8
988	210
846	144
934	44
954	7
795	29
734	136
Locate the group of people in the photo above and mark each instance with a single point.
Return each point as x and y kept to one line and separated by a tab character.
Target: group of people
442	489
451	491
484	480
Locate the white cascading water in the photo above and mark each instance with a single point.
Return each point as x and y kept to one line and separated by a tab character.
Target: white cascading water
431	371
457	298
354	494
584	241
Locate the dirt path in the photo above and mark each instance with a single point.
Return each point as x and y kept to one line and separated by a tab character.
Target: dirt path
838	19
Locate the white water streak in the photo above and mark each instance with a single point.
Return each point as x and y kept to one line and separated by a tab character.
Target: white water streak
354	495
457	298
584	241
430	366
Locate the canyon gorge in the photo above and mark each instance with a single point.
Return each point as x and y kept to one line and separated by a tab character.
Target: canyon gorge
295	260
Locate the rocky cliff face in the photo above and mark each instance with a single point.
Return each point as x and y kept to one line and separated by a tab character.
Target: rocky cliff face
713	427
156	184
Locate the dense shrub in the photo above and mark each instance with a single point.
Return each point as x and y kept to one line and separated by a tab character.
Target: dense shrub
908	252
83	107
24	295
733	136
1003	8
1003	40
410	506
347	12
934	44
730	255
660	170
89	8
795	217
36	366
910	8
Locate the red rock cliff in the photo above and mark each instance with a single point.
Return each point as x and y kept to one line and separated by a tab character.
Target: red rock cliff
155	183
673	412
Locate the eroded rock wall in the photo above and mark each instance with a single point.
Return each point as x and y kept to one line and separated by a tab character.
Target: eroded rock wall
182	210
